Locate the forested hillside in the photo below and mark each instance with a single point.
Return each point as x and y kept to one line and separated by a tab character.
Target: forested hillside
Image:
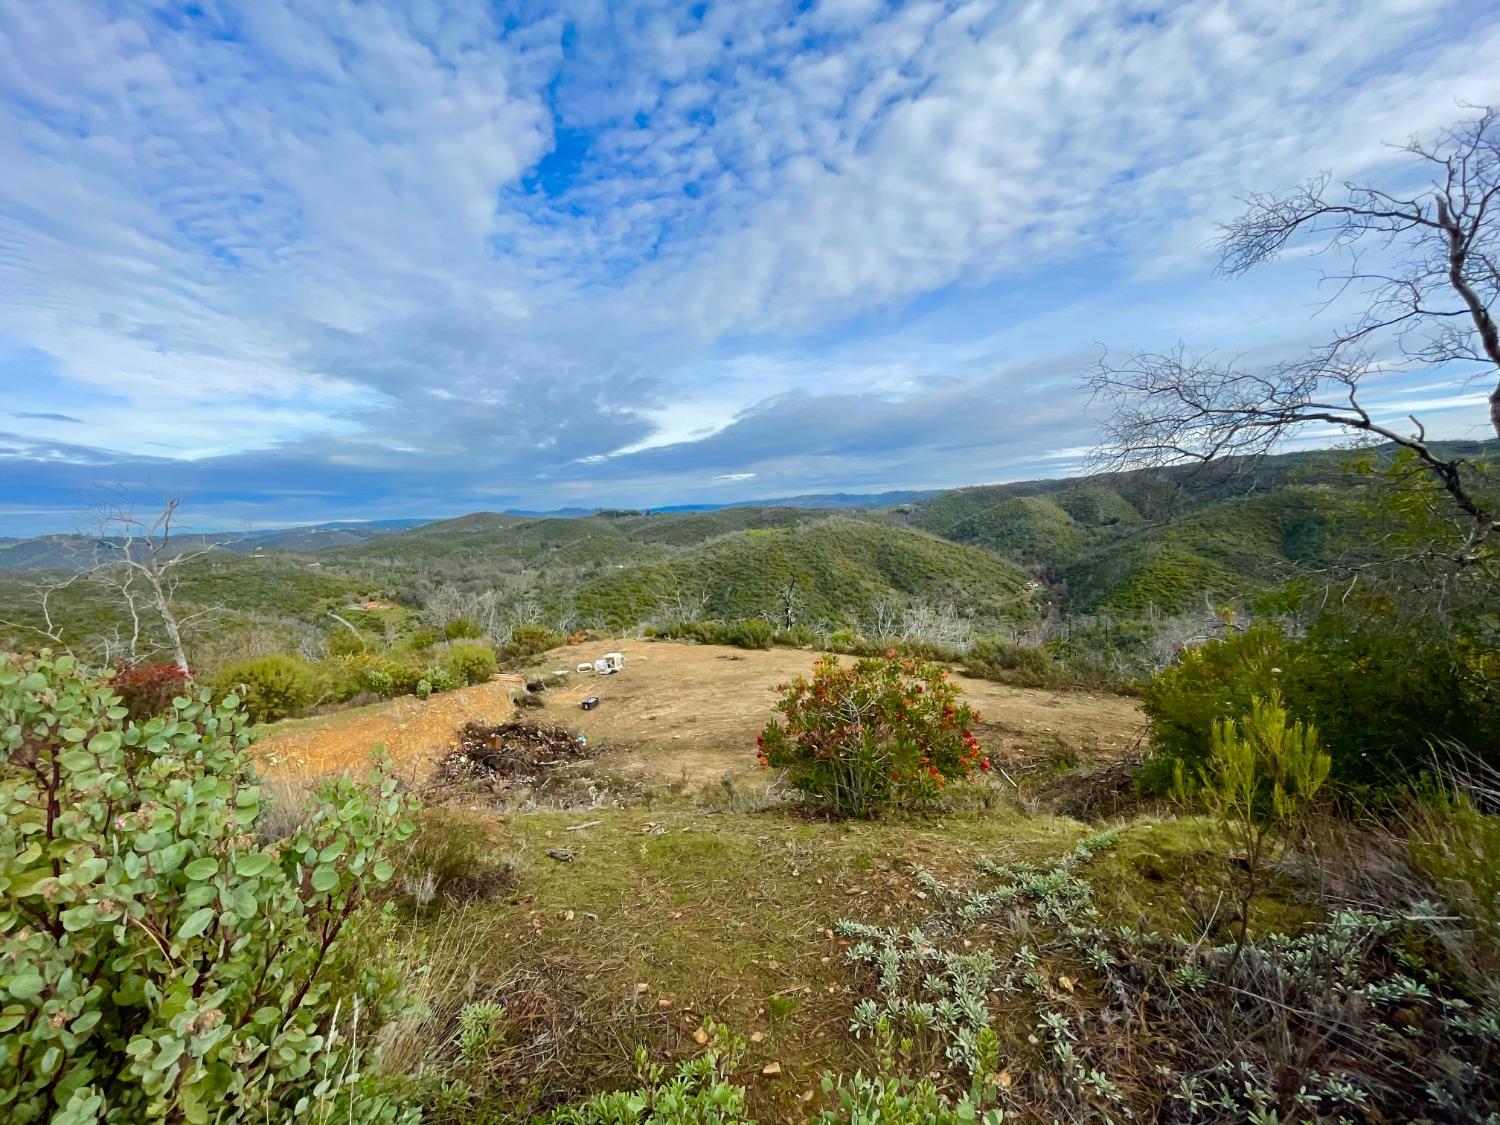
1113	555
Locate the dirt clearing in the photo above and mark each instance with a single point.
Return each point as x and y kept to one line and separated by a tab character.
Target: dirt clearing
691	712
683	713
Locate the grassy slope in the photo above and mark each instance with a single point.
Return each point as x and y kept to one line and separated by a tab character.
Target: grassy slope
728	916
723	916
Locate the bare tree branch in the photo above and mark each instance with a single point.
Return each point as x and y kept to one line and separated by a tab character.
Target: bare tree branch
142	562
1432	301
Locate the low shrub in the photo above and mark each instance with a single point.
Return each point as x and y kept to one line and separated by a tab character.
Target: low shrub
161	963
449	859
1379	694
146	690
468	663
995	658
850	643
342	642
892	1097
435	678
462	629
842	640
1382	692
366	672
753	633
1261	775
1015	986
273	687
696	1091
798	636
529	640
887	732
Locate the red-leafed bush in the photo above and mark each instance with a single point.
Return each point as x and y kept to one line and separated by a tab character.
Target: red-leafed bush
887	732
146	690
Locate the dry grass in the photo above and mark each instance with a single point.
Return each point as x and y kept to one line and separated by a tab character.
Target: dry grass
664	918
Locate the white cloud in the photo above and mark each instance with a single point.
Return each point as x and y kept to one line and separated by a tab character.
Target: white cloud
337	229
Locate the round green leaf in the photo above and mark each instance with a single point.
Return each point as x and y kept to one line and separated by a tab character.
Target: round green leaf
76	761
325	878
79	917
249	866
197	922
23	986
201	869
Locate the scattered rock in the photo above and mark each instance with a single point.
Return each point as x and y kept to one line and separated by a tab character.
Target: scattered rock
770	1070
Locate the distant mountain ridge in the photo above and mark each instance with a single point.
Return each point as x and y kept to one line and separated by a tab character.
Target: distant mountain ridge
809	500
75	552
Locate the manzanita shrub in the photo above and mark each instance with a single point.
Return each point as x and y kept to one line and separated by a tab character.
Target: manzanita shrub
887	732
158	961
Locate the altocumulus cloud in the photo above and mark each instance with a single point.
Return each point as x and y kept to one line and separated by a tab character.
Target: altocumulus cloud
306	260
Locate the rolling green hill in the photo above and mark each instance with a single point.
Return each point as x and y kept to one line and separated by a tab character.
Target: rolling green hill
834	571
1226	550
232	593
1125	546
570	541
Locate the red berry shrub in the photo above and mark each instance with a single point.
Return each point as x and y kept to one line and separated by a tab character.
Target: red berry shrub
886	732
146	690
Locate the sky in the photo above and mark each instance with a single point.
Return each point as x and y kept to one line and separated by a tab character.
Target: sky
326	259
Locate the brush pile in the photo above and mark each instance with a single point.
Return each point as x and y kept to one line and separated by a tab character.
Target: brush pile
515	753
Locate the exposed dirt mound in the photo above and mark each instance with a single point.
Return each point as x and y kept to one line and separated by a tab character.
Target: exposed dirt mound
414	732
519	752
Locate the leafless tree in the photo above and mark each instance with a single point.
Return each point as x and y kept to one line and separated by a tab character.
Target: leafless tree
679	605
790	604
885	620
138	559
50	629
936	625
141	560
1429	298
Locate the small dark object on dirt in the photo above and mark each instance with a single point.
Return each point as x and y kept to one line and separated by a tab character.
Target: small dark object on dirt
535	686
590	703
560	855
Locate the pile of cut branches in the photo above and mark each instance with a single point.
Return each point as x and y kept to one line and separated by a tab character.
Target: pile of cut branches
516	753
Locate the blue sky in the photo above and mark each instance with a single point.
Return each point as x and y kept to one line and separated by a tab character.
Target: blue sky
312	260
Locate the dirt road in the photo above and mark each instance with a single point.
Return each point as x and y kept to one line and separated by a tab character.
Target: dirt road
685	713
